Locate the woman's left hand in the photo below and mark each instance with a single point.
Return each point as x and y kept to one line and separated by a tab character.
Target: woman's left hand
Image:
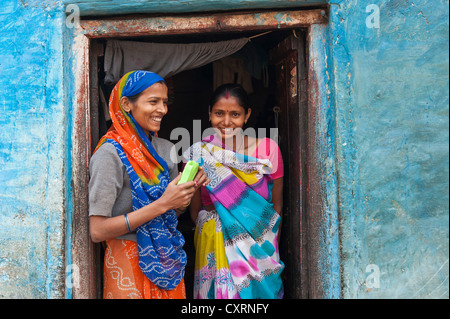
200	179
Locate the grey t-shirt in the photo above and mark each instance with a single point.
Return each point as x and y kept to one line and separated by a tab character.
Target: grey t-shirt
109	184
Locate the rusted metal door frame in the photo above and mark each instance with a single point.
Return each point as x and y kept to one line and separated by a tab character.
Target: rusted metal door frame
201	23
81	90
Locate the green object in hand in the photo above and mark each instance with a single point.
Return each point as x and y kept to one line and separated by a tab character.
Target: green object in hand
189	172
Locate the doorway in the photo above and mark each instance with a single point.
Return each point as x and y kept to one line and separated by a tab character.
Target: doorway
273	79
280	99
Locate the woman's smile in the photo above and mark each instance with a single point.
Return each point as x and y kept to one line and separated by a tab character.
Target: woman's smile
227	131
156	119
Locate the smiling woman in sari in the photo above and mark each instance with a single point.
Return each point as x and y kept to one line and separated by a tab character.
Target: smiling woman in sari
237	214
134	196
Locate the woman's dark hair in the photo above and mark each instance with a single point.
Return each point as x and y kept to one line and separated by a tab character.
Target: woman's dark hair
135	97
234	90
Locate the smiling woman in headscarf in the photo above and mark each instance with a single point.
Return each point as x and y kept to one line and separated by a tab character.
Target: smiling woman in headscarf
134	197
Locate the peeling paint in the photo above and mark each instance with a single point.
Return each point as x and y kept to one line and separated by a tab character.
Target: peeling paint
31	210
323	186
118	7
282	18
143	26
391	170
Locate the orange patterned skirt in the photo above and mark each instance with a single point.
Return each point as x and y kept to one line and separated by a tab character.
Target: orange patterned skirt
123	278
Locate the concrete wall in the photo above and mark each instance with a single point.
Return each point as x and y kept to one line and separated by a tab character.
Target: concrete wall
31	150
391	95
382	133
104	8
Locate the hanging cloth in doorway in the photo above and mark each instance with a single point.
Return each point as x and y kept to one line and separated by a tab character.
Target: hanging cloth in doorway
165	59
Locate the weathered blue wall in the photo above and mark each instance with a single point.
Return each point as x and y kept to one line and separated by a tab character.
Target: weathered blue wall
392	98
31	150
382	135
102	8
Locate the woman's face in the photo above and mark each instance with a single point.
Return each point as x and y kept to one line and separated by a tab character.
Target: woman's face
227	115
149	108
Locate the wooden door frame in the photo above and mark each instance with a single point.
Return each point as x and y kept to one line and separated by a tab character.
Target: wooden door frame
289	63
81	95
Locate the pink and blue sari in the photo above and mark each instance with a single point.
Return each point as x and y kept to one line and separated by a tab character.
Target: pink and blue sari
241	191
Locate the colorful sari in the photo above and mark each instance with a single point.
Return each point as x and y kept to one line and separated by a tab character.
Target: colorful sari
160	245
123	278
243	228
212	276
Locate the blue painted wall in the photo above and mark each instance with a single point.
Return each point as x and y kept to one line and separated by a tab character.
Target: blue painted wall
392	97
31	150
384	115
103	8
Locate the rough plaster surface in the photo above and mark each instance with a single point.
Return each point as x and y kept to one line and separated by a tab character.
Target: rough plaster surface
31	145
392	145
103	8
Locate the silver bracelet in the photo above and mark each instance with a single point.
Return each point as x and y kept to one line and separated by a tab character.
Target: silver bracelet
128	223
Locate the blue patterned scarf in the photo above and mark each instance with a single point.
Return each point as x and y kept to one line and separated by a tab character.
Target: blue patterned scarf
161	255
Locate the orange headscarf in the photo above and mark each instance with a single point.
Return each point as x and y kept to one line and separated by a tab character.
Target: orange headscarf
125	131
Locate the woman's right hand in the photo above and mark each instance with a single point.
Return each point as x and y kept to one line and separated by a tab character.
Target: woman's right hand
103	228
176	196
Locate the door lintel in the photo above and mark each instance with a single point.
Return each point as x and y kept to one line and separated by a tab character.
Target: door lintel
216	23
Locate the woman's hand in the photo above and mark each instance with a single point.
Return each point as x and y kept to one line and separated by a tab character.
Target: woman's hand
176	196
103	228
201	179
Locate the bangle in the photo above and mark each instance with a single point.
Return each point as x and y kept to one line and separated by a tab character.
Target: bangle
187	205
128	223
